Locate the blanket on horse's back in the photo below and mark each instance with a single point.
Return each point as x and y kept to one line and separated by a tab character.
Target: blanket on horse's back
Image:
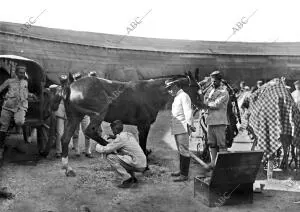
273	112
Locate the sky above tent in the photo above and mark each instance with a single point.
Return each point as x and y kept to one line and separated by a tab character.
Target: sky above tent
214	20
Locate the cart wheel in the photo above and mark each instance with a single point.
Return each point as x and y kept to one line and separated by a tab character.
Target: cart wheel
42	141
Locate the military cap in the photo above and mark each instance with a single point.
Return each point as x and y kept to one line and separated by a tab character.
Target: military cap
170	82
297	82
53	86
77	76
216	74
63	78
92	74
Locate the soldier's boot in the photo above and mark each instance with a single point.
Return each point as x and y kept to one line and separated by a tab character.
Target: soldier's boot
177	174
184	175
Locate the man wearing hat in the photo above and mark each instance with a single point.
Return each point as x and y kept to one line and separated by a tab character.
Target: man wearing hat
216	99
259	83
84	124
15	104
182	125
296	93
92	74
60	115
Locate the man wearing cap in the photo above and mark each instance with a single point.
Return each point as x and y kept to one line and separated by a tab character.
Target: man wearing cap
182	125
296	93
92	74
216	100
60	115
259	83
84	124
15	104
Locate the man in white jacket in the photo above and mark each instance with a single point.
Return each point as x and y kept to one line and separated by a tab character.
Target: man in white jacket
130	157
182	125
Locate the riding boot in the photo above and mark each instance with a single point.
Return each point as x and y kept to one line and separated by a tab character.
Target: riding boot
177	174
184	175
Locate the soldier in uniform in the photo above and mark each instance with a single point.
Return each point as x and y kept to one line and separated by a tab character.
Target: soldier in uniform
216	100
60	115
182	125
15	106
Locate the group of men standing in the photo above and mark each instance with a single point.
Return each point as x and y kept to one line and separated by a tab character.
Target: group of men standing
215	101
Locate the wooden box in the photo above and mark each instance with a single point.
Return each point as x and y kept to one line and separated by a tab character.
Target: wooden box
232	179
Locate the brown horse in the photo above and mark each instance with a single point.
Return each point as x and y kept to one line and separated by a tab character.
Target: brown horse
135	103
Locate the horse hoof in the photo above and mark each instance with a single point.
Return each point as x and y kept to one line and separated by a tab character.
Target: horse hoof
70	173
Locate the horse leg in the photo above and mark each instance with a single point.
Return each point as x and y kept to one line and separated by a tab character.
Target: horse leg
71	125
143	134
94	130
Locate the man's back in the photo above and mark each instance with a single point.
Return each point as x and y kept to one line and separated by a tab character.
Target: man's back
131	147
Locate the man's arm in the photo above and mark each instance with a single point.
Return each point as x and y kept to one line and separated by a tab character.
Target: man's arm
187	109
113	146
217	103
4	85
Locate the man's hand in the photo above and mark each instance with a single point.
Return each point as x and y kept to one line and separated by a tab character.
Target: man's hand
32	96
100	148
191	129
111	137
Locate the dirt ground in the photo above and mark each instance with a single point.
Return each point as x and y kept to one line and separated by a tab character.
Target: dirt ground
45	188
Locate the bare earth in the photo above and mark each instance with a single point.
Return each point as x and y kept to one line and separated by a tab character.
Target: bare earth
45	187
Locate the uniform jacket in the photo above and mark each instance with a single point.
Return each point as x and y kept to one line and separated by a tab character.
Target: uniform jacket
17	95
182	113
217	99
128	149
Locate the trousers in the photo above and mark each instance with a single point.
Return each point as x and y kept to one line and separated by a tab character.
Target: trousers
84	124
125	170
182	143
7	115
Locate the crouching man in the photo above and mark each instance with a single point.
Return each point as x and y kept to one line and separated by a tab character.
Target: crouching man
130	157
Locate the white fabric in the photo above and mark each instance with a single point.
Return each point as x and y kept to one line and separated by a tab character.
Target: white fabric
296	96
182	113
128	149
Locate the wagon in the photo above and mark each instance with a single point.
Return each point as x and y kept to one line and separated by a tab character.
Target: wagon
38	115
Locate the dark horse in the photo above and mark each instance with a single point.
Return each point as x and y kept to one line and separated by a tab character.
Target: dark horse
135	103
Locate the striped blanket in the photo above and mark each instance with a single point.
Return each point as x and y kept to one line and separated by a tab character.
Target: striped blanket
273	113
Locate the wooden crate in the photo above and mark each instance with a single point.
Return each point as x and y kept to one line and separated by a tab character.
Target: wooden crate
232	179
